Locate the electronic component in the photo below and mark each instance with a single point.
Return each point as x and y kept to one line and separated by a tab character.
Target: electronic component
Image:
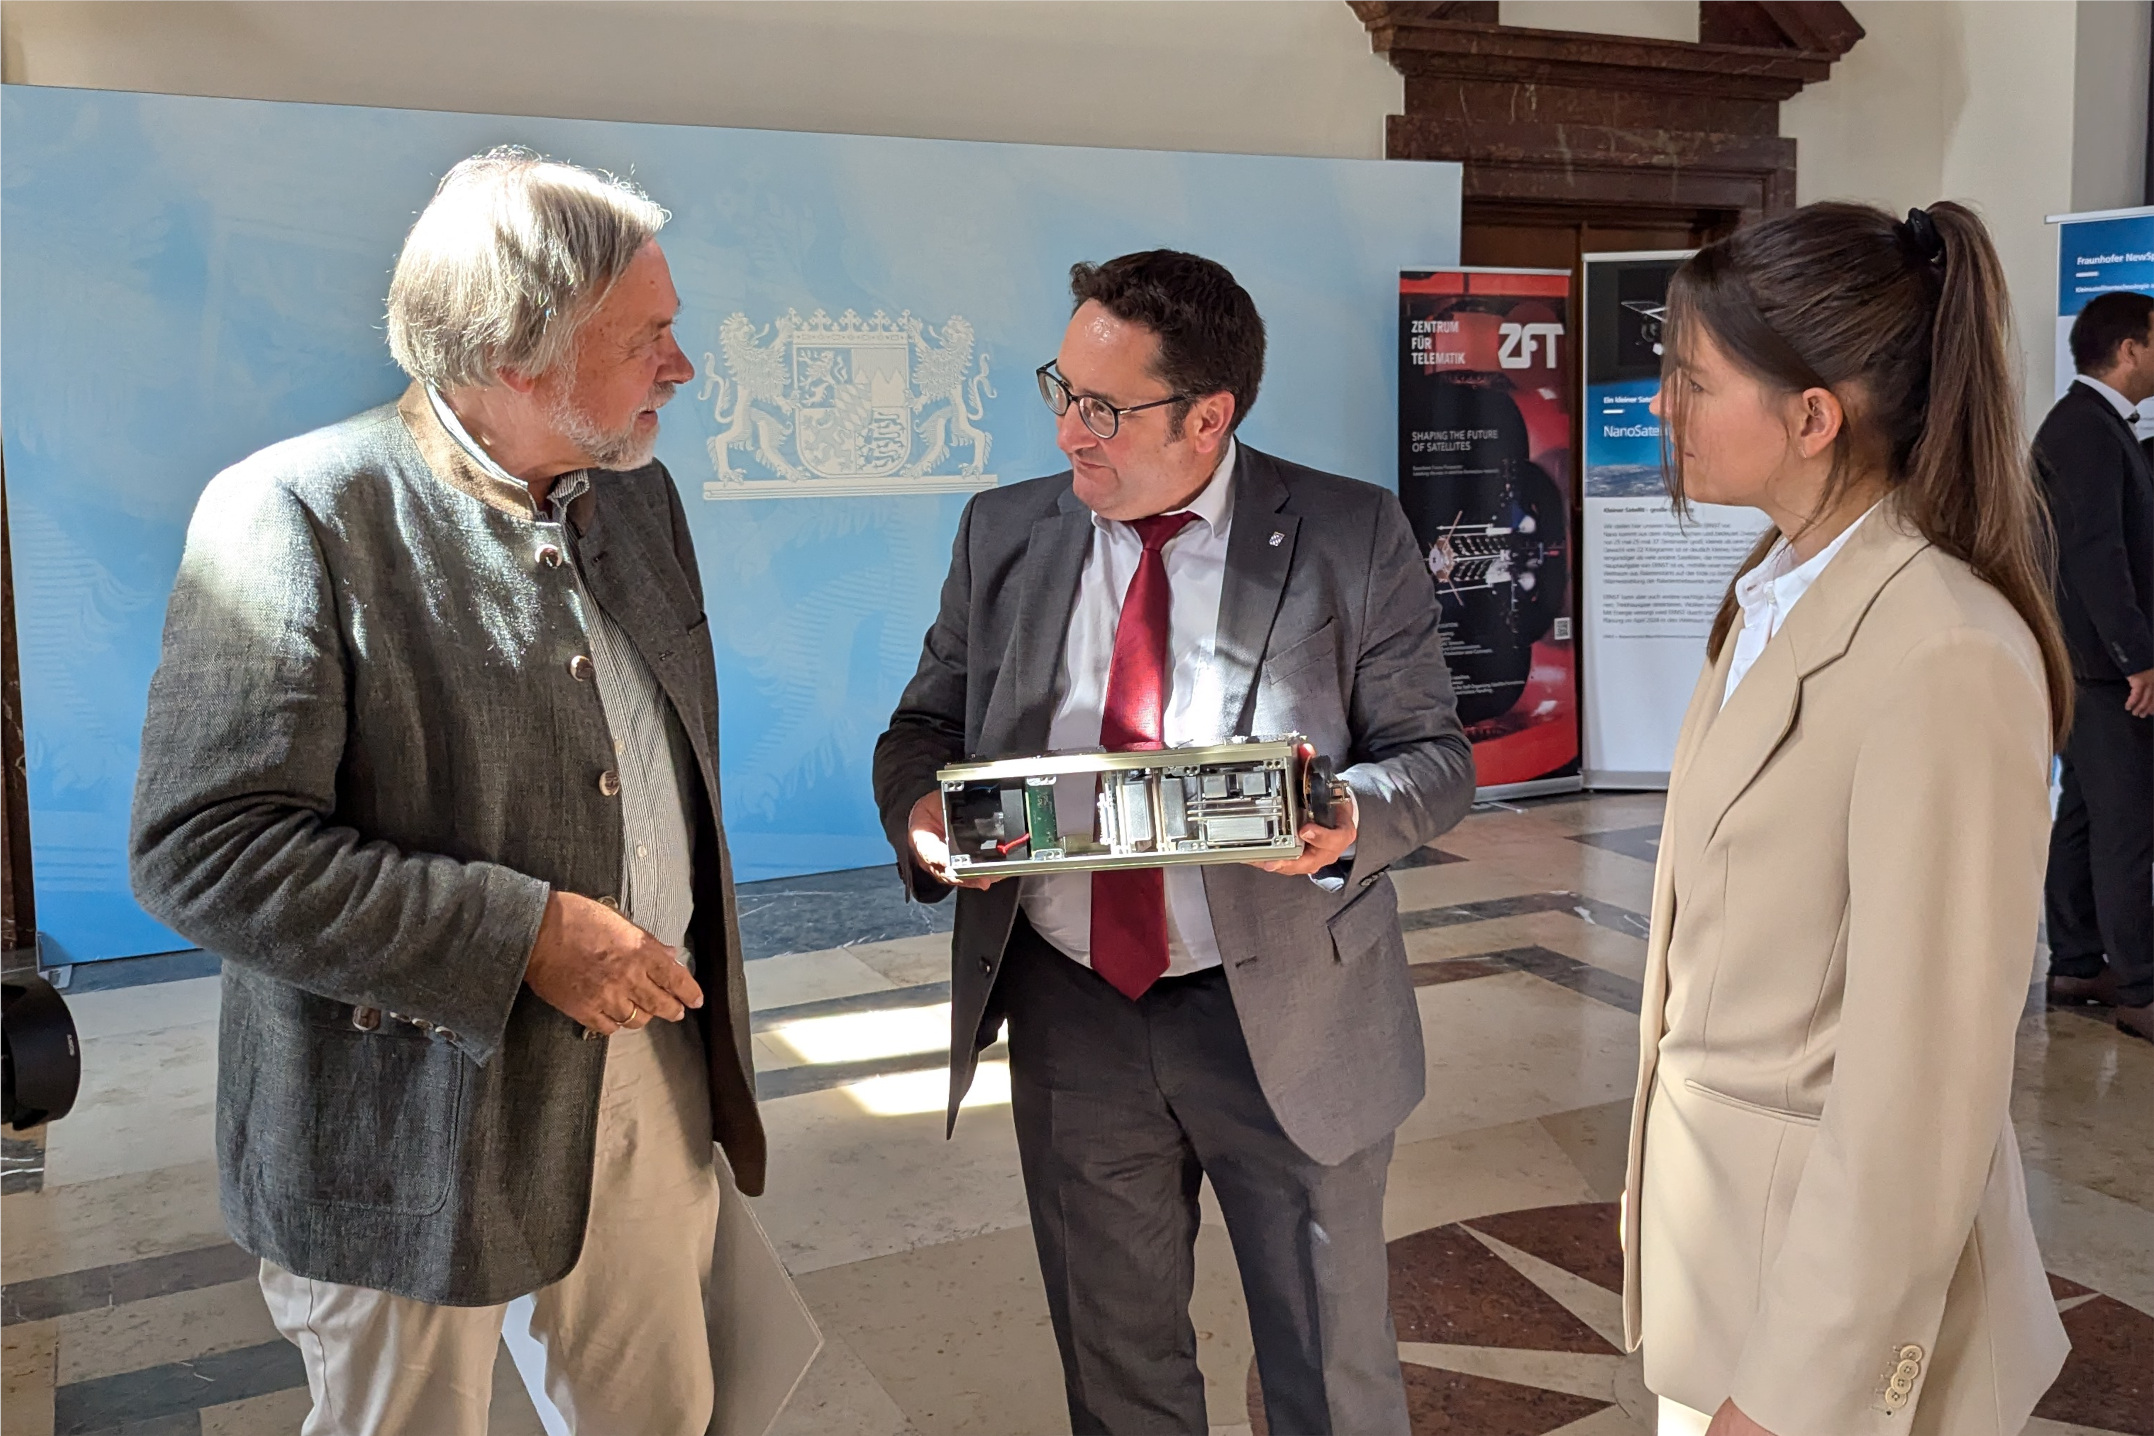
1242	801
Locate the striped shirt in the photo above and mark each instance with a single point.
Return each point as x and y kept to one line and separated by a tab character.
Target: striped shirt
654	759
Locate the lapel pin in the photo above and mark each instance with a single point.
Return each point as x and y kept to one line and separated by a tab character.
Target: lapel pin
1277	539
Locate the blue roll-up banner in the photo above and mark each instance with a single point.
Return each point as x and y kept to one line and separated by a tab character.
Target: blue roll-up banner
1653	581
2099	253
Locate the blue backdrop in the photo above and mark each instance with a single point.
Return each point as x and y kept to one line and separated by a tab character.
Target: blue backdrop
184	280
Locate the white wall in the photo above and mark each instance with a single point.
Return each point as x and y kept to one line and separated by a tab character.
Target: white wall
1289	77
2008	147
1973	100
1875	130
2109	110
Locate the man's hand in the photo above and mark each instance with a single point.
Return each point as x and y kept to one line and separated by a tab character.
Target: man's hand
1729	1420
2139	702
604	971
1321	847
931	843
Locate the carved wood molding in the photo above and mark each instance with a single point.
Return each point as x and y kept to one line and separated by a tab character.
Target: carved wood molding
1555	119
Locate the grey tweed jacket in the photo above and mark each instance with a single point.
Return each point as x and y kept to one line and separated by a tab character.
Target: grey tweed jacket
1327	627
365	767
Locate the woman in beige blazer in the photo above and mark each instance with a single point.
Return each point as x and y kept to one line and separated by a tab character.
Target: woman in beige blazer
1826	1219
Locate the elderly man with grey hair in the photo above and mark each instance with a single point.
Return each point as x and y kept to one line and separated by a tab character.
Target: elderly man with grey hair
431	763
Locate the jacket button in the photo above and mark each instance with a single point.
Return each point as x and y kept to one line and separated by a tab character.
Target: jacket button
610	901
549	555
1910	1352
366	1019
609	783
580	669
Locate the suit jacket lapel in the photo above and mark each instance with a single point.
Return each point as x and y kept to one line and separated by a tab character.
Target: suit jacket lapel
1735	743
1704	709
1260	551
1021	709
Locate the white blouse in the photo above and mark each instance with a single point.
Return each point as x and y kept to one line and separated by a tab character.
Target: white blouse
1769	592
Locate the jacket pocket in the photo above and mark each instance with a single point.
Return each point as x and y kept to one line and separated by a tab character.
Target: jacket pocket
1782	1114
1321	646
374	1121
1368	922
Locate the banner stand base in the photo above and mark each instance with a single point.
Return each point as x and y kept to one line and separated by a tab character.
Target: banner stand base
1538	788
1627	782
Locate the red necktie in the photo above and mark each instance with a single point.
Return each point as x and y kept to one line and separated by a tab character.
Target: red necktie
1129	908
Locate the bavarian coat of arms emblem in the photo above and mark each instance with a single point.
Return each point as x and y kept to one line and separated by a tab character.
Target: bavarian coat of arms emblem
823	406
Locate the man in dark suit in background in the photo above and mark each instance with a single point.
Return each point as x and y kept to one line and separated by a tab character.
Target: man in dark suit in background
1256	1027
2101	853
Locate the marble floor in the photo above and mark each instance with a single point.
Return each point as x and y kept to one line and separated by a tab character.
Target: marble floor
125	1309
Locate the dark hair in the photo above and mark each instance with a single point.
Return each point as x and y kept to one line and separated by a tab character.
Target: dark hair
1909	325
1211	338
2103	326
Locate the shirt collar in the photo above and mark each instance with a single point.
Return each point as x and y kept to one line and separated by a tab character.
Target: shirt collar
1780	580
2126	409
1214	503
565	489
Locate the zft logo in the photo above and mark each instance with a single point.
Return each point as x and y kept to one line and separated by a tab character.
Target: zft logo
1520	340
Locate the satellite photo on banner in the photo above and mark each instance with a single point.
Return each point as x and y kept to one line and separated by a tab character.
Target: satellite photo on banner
1653	582
1485	366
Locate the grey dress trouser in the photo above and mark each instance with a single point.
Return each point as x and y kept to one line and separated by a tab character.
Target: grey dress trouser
1121	1109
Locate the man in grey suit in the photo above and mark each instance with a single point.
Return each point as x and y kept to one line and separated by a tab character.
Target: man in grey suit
1256	1027
431	763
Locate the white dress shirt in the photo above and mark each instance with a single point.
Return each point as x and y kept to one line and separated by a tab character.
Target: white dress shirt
2126	409
1769	592
1060	906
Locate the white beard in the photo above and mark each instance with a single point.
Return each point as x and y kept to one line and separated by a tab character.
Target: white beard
616	449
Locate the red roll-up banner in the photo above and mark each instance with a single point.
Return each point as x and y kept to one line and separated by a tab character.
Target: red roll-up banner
1486	379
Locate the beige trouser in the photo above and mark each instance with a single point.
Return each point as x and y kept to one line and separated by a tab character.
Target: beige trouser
626	1346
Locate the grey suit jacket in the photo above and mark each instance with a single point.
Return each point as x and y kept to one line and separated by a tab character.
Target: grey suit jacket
365	767
1330	632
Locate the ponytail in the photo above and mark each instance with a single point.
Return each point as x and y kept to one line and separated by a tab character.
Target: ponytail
1970	487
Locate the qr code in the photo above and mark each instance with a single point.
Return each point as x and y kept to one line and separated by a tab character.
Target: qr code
1562	630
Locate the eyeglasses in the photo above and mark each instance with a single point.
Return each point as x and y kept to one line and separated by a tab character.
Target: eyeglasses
1095	413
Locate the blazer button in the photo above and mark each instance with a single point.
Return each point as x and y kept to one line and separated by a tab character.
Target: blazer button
549	555
610	901
609	783
366	1019
580	669
1910	1352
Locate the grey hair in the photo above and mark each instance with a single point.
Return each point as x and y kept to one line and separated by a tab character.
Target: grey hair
507	262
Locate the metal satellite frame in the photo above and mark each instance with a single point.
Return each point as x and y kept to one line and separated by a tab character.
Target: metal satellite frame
1236	802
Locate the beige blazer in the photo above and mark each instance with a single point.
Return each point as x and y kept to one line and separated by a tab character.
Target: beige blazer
1827	1214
